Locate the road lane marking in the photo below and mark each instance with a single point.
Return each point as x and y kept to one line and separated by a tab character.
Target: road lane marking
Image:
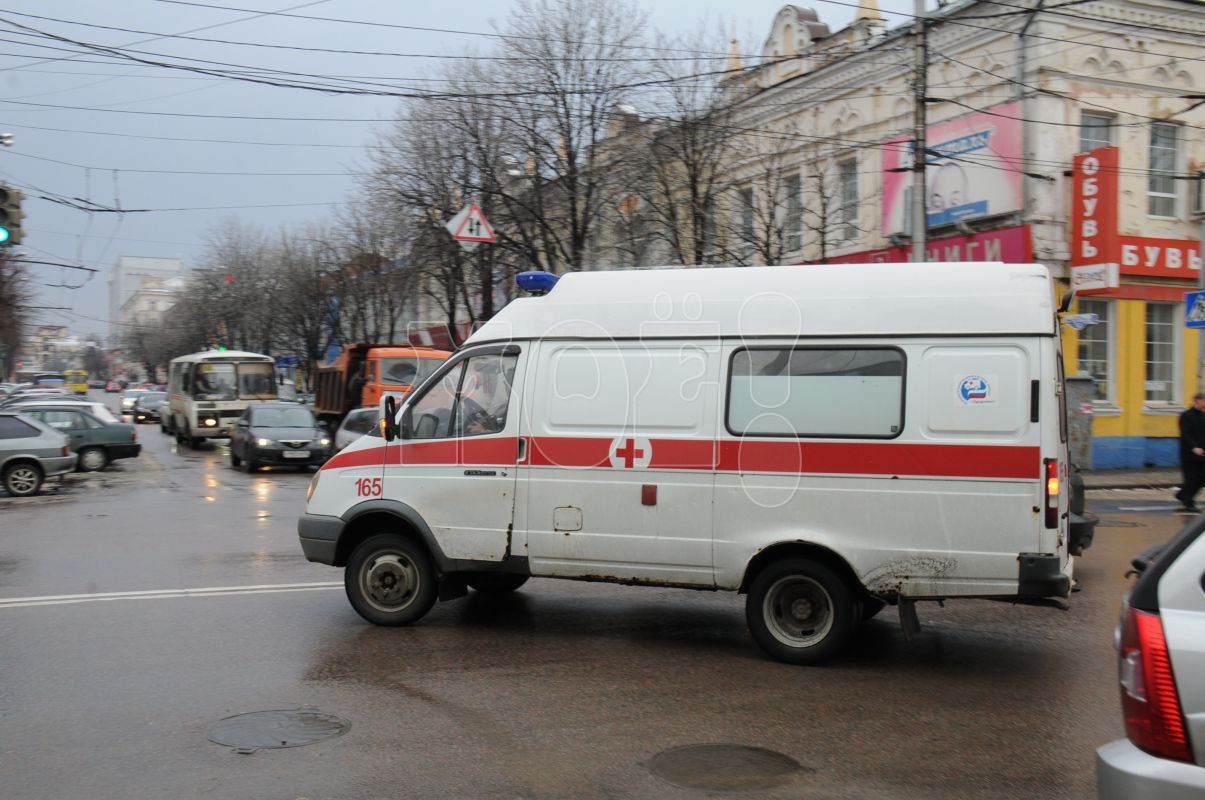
166	594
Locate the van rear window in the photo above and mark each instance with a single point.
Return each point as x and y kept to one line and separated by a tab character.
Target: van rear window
817	392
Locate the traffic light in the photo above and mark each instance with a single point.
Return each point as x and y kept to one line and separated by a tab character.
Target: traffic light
10	214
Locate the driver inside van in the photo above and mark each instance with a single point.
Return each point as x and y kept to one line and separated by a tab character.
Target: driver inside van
485	396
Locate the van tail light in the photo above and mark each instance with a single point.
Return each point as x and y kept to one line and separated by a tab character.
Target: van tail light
1149	699
1051	471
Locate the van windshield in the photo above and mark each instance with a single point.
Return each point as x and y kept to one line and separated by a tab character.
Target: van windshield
227	381
407	371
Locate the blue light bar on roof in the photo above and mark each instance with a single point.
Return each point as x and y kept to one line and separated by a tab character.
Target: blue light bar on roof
536	282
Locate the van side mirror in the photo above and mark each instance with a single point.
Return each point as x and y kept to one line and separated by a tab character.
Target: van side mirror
389	416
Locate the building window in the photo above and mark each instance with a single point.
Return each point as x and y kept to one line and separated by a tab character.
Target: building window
1095	348
745	211
1161	185
848	217
792	224
1095	130
1161	333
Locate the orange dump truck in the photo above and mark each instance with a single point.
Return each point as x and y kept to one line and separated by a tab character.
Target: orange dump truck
363	373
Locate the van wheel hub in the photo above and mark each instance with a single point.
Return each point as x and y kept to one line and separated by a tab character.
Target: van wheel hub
798	611
390	581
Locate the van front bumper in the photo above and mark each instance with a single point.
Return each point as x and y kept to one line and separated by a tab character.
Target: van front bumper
319	536
1123	772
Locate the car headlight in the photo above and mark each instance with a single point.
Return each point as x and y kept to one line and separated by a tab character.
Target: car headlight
210	422
324	441
262	442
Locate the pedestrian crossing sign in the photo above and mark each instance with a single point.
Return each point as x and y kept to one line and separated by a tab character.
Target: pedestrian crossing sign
1194	310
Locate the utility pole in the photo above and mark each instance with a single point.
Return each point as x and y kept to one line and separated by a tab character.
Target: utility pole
919	220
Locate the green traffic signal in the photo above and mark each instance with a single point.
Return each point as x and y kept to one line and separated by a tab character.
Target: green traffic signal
11	215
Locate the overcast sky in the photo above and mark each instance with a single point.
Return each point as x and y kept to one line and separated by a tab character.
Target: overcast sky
61	108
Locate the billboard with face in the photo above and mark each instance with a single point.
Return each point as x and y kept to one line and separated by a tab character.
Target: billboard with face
973	169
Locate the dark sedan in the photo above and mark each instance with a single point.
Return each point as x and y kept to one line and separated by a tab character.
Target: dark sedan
278	434
146	406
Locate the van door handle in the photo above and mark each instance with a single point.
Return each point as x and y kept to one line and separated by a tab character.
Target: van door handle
480	473
522	453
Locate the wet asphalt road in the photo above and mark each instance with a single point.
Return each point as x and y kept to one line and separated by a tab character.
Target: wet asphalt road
563	690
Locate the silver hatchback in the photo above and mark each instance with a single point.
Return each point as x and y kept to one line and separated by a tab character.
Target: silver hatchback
30	452
1161	649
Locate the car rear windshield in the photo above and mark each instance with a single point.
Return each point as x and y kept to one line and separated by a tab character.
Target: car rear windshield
360	422
282	418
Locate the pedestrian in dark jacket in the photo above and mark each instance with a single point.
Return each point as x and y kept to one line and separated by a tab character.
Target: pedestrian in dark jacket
1192	452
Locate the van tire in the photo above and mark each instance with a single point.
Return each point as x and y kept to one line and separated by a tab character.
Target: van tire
390	580
495	582
800	611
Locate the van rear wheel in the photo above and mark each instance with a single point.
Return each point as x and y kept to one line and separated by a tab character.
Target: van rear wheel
800	611
390	580
495	582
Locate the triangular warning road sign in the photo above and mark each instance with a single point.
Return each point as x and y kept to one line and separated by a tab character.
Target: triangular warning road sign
474	227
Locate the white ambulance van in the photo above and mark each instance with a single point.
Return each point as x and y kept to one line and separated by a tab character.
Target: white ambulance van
823	439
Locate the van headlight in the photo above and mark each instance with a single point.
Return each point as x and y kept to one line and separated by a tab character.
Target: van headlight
313	485
262	442
210	422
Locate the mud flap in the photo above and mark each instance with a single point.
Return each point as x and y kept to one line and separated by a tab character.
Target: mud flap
908	620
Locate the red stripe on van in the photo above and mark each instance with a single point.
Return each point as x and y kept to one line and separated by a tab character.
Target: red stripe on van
880	458
728	455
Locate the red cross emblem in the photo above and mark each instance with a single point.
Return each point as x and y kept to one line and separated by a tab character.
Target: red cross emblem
630	453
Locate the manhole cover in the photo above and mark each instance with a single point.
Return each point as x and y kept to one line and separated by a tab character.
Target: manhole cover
1121	524
274	729
724	767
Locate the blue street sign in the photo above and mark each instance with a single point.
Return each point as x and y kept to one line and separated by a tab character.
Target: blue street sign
1194	310
286	361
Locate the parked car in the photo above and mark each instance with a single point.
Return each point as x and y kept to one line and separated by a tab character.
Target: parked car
357	423
146	406
31	452
112	387
96	383
25	394
1161	653
97	409
97	442
278	434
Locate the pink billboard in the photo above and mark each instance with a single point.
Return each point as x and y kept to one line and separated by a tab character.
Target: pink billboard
973	169
1010	245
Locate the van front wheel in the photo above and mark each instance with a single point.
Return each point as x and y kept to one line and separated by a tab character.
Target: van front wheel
800	611
390	580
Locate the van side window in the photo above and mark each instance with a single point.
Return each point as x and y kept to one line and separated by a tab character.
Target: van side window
819	392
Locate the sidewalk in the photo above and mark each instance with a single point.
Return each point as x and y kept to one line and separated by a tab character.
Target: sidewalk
1156	478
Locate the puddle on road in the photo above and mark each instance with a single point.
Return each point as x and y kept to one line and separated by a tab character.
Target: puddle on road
725	767
269	730
1120	524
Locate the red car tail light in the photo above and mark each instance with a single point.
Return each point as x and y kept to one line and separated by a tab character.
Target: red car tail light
66	450
1052	491
1150	701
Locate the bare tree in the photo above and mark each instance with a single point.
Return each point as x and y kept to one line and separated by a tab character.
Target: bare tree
14	302
683	150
